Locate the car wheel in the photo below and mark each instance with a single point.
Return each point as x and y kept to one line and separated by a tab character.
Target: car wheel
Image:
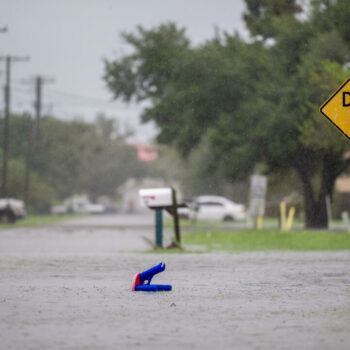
228	218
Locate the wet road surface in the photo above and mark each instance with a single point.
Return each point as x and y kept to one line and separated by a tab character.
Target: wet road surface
68	287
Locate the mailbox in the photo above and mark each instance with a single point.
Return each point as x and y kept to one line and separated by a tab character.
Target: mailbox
159	199
156	198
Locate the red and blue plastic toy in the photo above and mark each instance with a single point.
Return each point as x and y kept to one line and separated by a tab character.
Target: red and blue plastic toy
142	281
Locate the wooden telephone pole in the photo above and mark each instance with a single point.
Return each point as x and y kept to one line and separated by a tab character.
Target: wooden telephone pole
34	131
7	97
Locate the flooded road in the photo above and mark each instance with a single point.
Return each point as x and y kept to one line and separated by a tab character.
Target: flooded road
69	287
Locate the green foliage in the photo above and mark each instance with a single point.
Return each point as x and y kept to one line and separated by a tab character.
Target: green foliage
201	176
38	221
257	102
330	16
146	73
41	194
288	128
260	15
70	157
78	157
197	85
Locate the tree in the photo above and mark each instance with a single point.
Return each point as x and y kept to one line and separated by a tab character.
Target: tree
309	60
188	87
108	160
79	157
305	64
257	101
71	157
41	195
145	73
260	15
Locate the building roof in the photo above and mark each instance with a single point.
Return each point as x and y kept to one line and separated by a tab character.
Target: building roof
146	152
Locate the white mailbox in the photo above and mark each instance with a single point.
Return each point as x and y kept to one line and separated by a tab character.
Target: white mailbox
156	197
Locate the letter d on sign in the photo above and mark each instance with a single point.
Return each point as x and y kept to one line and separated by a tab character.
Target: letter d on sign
344	99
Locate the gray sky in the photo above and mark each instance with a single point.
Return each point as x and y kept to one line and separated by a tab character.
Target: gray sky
67	39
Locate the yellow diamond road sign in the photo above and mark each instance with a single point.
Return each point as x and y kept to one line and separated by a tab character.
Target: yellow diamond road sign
337	108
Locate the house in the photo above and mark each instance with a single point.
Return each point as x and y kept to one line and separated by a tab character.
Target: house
146	152
342	195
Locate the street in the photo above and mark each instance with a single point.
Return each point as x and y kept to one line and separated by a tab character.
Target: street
69	287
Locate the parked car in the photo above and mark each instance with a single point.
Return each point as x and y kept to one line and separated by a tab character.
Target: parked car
11	209
213	208
78	204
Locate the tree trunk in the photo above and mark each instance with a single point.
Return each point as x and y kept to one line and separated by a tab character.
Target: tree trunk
315	204
316	214
315	210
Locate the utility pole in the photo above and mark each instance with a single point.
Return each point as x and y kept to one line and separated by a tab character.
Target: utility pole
39	81
9	60
28	160
38	88
34	132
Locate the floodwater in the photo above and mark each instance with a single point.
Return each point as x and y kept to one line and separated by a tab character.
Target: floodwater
69	287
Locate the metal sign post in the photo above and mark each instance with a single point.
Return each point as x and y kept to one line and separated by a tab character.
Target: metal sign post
159	228
258	187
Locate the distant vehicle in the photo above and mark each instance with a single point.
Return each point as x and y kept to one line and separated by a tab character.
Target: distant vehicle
59	209
78	204
11	209
188	211
213	208
91	208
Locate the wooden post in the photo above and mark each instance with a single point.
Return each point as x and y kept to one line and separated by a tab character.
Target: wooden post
283	215
176	219
259	222
290	218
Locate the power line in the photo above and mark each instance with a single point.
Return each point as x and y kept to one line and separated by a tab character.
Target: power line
71	97
75	104
22	90
82	97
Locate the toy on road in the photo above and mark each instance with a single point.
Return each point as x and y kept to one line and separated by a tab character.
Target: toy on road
142	281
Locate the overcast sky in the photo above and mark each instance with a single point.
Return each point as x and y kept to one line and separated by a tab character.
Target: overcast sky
67	39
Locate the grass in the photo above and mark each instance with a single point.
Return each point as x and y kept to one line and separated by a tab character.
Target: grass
266	240
221	240
37	220
169	251
268	223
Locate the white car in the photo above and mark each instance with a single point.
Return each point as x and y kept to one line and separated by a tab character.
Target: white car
218	208
187	211
78	204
